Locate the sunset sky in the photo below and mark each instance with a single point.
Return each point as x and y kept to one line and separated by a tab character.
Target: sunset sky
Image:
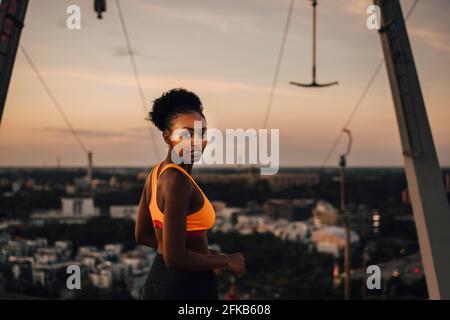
225	51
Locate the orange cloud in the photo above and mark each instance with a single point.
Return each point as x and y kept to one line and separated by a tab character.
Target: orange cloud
438	41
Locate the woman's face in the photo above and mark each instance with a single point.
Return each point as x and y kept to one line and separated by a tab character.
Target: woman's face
187	136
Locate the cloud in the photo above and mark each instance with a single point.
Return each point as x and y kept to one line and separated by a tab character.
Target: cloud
357	7
122	136
123	51
223	23
438	41
160	82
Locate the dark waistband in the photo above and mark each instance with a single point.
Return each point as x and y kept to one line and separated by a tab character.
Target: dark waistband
161	273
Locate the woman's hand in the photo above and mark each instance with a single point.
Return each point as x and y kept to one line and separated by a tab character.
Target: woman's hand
217	271
236	263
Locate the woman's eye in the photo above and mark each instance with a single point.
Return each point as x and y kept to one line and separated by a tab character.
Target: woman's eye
181	135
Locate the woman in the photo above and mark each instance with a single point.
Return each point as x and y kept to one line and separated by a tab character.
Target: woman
174	213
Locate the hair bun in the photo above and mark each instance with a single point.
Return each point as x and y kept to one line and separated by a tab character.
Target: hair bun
178	99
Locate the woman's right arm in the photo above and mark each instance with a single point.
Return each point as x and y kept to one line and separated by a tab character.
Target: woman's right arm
144	231
177	191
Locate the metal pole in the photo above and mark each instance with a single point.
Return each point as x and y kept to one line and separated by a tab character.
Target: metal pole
12	16
424	177
342	165
314	5
347	237
89	168
313	83
364	265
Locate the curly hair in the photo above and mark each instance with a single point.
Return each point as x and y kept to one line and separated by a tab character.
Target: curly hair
171	103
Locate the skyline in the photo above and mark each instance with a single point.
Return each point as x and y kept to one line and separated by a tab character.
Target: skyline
98	93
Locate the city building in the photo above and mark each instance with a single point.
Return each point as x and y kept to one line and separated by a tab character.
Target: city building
324	213
277	182
282	181
123	212
292	230
226	217
363	220
332	239
74	210
291	209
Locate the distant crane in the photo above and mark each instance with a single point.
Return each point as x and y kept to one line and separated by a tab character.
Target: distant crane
314	84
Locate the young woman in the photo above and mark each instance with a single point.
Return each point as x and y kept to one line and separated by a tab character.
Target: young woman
174	213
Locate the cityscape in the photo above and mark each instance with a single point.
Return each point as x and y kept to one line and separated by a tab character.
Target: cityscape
52	218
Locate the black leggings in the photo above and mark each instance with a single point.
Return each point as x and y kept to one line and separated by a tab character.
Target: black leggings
166	284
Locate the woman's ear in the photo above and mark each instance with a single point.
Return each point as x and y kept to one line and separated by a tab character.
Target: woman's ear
166	137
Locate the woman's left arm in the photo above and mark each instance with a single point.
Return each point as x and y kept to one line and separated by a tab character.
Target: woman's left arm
144	231
217	271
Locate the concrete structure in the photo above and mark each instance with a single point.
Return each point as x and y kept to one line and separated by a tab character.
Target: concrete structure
78	207
423	173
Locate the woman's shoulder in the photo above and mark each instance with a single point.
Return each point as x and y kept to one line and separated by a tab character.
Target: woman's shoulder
173	179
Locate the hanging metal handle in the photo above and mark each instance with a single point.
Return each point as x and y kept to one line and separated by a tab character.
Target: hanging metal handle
313	83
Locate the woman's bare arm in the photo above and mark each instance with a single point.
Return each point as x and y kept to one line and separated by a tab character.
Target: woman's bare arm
144	231
177	191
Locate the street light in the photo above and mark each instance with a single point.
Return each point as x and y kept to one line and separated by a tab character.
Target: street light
342	165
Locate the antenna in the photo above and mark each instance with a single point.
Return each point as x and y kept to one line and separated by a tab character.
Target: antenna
313	84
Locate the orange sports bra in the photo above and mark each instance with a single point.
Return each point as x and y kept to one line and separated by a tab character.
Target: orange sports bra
197	222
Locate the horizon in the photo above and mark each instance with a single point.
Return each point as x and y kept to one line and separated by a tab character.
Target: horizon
233	166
